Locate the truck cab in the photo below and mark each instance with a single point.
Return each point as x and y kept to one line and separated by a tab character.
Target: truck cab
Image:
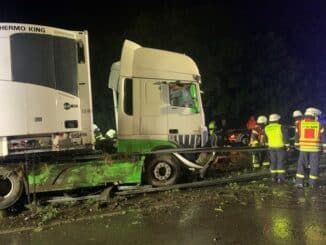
157	100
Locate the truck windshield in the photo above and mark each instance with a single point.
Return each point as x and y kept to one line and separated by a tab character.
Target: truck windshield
183	95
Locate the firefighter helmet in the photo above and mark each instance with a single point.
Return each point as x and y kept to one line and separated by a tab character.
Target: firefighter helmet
111	133
262	120
309	114
274	117
312	110
95	128
296	114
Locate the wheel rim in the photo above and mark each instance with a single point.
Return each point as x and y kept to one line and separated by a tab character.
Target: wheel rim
162	171
6	187
245	141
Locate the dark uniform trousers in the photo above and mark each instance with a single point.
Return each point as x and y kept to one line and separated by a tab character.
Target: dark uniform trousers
277	157
260	158
307	159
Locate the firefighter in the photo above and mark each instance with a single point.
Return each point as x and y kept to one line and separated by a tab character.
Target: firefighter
310	138
222	133
212	133
276	137
297	118
203	158
256	140
251	123
264	155
97	133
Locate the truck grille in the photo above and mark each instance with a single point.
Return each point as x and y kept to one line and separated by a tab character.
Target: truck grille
186	140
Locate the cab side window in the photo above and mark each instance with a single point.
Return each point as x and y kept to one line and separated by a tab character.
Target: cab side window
128	97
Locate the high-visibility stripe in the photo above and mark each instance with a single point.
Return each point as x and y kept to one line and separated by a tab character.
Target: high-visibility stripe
266	163
273	171
309	149
296	144
309	142
313	177
280	171
254	159
300	176
310	146
310	139
255	165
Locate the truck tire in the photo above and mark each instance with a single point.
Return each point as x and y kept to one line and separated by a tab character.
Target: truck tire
11	187
163	170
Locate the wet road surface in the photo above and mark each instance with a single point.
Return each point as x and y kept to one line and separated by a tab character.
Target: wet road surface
287	216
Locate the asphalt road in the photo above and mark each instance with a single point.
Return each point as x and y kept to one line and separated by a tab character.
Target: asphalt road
275	214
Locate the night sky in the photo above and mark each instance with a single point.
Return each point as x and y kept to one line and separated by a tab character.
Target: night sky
204	30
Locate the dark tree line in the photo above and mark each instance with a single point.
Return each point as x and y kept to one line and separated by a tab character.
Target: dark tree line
247	67
243	73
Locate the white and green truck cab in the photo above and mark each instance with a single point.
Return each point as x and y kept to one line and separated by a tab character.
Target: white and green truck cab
157	100
158	106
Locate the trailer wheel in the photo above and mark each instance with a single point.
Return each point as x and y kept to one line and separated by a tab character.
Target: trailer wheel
11	187
162	171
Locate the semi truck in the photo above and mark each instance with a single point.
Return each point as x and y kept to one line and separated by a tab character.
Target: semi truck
46	136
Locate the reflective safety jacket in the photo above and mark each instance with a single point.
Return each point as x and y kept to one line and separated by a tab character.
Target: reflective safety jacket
256	137
310	135
212	127
276	135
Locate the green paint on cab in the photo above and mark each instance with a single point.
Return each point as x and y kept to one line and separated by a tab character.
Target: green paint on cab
142	146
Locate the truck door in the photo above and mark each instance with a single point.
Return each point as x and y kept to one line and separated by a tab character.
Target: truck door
184	117
153	109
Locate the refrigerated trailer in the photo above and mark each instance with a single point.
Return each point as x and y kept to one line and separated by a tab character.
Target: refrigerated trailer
46	137
45	89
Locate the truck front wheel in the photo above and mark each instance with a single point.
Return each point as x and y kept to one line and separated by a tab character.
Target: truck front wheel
162	171
11	187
